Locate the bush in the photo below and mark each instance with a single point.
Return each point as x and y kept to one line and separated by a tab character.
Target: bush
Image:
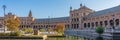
4	34
99	38
99	29
18	33
42	30
27	30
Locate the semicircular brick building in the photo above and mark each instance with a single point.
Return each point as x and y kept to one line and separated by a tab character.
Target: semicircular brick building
80	18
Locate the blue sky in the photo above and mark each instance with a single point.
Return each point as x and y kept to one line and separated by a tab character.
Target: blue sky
52	8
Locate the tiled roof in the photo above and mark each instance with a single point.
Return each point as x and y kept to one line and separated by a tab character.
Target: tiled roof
23	17
102	12
52	19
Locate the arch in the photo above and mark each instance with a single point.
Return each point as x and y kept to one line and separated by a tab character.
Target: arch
111	22
96	23
92	24
77	25
106	23
117	21
34	26
101	23
74	26
67	25
88	25
85	25
77	19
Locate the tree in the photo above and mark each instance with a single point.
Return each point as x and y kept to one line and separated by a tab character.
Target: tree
60	28
99	30
12	23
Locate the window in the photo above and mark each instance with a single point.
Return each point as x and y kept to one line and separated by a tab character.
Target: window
74	26
72	20
77	14
92	24
88	24
101	23
111	22
105	23
84	14
117	21
96	23
77	25
77	19
72	15
85	25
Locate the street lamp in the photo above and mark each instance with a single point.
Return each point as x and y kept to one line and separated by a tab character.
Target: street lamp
4	7
113	18
48	23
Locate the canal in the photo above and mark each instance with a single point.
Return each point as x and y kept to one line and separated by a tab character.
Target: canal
65	38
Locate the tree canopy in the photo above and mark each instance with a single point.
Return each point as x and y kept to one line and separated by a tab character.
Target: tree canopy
60	28
12	23
99	29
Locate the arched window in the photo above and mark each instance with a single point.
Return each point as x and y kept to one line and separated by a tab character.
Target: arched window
77	19
67	26
34	26
85	25
101	23
117	21
111	22
88	25
106	23
96	23
74	26
92	24
77	25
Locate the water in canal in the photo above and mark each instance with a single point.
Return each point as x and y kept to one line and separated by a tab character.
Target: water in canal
65	38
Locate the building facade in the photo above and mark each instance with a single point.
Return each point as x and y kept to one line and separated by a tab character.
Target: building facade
80	18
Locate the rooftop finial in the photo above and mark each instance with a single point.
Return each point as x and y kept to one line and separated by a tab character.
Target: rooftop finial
81	5
70	7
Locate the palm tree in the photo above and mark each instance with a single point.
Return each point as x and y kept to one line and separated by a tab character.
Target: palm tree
4	7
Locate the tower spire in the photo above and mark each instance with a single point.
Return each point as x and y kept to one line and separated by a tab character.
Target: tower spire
81	5
30	14
70	7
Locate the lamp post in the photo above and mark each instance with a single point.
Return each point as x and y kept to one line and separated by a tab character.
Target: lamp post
113	27
113	18
4	7
48	23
